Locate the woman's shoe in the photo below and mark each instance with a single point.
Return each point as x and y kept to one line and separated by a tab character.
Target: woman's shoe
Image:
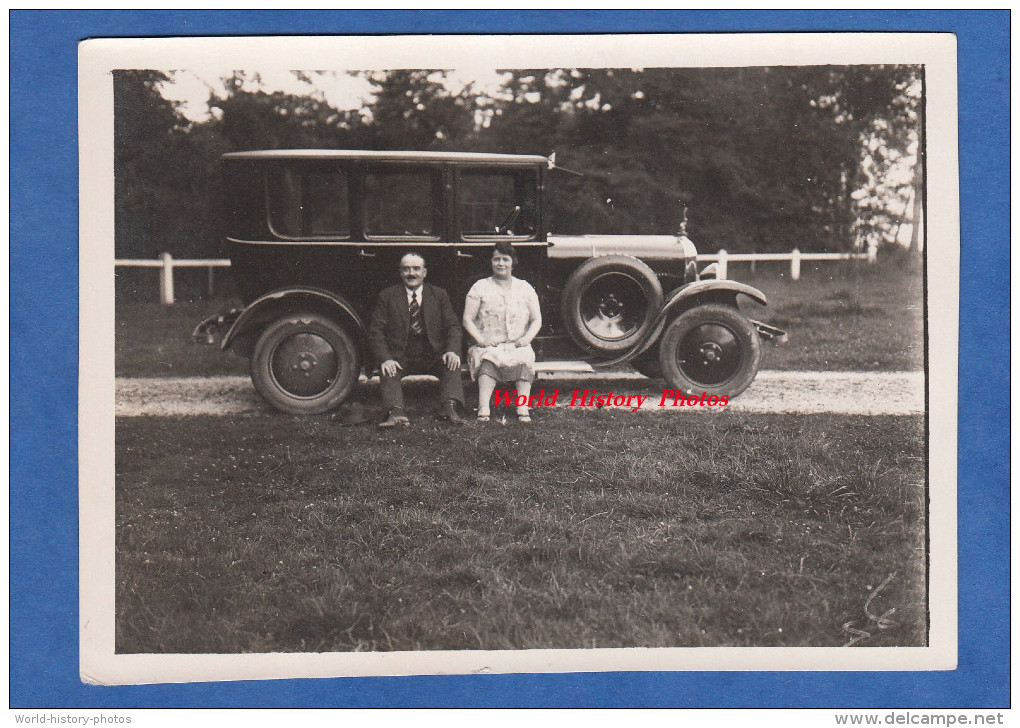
483	416
523	415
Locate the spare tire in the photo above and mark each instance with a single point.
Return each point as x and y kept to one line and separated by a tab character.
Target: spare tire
610	302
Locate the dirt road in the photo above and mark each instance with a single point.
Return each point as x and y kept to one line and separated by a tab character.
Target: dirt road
856	393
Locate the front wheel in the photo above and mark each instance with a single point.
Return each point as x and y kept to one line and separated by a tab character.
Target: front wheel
304	364
711	348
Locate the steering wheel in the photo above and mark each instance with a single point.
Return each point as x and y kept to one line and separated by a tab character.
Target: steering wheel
510	220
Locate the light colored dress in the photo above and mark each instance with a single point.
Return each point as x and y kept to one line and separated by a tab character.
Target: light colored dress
503	316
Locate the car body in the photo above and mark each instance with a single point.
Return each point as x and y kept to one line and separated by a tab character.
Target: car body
314	235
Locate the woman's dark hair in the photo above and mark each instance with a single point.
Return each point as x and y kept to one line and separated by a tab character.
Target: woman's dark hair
505	248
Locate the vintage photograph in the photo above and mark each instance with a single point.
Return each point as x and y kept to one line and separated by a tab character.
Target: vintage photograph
421	359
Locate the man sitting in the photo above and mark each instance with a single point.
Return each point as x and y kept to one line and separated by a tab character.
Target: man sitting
414	330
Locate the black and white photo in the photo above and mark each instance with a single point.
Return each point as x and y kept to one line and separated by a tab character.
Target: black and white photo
426	355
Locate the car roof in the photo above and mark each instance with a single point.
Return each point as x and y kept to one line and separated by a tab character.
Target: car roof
390	156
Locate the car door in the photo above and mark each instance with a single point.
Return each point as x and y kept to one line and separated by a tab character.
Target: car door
311	225
404	211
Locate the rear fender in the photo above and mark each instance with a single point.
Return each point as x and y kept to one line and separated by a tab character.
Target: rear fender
242	335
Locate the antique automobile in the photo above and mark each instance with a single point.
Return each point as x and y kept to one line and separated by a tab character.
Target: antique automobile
314	235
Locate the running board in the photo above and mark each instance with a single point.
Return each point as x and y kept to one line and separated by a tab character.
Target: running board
564	366
553	367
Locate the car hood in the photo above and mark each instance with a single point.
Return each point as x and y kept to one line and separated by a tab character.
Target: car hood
645	247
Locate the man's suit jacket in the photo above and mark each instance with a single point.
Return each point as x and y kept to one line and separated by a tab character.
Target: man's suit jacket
388	328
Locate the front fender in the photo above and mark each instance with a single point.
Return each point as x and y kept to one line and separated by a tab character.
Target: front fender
285	300
710	290
707	291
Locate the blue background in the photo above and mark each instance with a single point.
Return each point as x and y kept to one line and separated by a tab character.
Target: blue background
44	337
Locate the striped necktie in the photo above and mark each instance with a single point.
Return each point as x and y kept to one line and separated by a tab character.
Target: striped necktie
415	312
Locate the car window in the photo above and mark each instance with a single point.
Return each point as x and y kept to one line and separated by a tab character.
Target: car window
309	203
486	200
403	203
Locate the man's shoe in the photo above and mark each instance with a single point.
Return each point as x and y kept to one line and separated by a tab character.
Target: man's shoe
450	412
395	417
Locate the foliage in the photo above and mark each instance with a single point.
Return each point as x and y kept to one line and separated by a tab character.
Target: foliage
166	188
250	119
766	158
414	110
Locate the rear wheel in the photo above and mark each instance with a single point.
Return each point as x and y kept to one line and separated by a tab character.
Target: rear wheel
304	363
610	302
711	348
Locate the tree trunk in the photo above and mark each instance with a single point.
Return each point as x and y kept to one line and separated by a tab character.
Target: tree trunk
915	232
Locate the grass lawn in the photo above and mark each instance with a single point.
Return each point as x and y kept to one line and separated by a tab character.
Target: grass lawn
598	529
839	317
853	316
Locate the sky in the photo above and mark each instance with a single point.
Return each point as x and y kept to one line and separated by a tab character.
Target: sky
192	88
341	90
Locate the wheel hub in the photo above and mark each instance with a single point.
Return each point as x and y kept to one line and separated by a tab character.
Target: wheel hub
613	307
305	364
709	354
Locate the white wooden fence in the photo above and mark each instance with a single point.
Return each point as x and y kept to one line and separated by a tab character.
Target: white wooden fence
794	256
166	264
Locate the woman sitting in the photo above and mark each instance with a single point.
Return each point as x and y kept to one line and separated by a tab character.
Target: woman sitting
502	315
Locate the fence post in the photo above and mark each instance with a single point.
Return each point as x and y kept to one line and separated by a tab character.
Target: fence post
166	279
872	253
212	281
795	264
721	263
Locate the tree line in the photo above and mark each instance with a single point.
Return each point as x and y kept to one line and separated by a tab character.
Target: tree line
764	158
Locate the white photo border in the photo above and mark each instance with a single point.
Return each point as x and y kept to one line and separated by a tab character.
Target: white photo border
98	58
